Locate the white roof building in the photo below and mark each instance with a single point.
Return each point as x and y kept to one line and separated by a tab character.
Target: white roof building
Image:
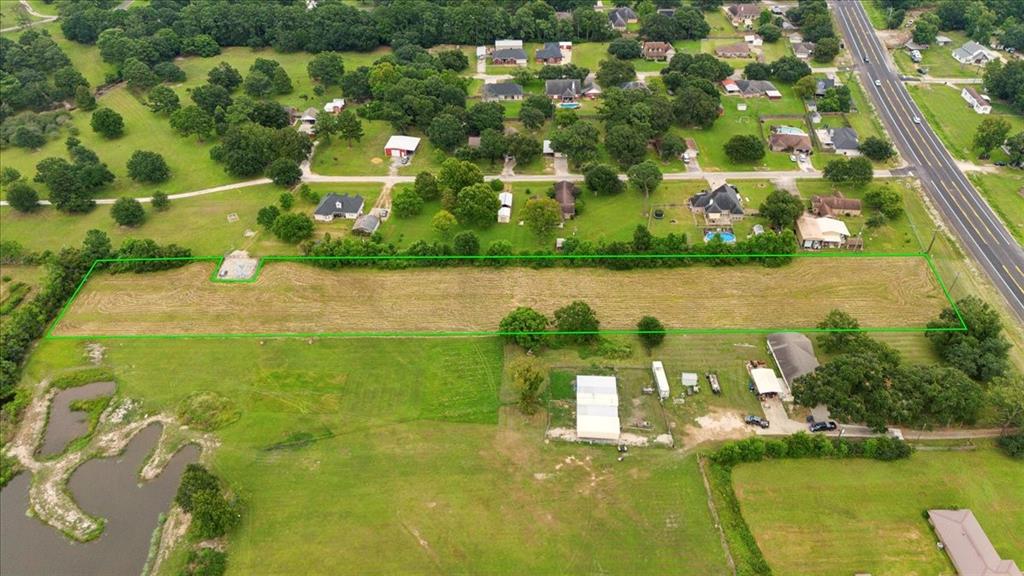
507	44
597	408
821	232
660	379
334	106
398	145
690	381
505	212
766	382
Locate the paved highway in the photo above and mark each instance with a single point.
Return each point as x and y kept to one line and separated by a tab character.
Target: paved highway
962	207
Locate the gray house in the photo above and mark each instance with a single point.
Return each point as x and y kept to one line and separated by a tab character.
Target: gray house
720	206
845	141
501	91
334	206
566	90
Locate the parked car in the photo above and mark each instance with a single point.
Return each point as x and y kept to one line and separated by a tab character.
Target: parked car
823	426
1000	163
756	421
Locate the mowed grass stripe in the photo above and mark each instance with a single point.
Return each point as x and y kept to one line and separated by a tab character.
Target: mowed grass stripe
297	298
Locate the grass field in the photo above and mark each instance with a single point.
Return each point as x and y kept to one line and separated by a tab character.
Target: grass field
290	297
415	467
189	160
955	123
198	223
1005	193
939	59
876	14
854	516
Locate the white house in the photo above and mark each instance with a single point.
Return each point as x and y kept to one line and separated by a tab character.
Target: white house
979	102
660	379
508	44
973	53
753	40
401	146
597	408
815	233
505	212
335	106
334	206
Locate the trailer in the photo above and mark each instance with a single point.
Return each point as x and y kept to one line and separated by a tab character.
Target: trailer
660	379
713	382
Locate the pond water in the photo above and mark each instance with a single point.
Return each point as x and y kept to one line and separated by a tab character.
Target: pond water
64	424
107	488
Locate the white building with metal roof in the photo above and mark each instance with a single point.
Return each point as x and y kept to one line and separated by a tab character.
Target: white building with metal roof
597	408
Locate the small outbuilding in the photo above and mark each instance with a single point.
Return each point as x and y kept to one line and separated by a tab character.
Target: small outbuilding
366	224
505	211
691	382
766	383
401	146
597	408
335	106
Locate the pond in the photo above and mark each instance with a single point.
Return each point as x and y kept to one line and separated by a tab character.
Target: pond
107	488
65	424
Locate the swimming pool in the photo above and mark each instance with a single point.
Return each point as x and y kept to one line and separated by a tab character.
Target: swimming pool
727	237
569	105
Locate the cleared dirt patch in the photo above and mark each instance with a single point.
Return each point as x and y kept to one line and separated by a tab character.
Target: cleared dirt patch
298	298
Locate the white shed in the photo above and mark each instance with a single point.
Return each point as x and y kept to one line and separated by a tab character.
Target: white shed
597	408
690	382
660	379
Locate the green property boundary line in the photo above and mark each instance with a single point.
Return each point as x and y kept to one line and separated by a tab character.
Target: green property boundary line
413	334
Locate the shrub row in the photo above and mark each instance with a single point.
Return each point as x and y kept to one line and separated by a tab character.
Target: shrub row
803	445
769	249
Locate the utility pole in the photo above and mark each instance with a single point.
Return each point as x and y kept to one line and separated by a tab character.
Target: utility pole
930	244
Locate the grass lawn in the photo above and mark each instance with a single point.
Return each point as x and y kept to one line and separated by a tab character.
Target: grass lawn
417	468
590	54
734	122
1003	192
198	223
13	14
864	516
365	157
956	123
189	160
939	59
720	25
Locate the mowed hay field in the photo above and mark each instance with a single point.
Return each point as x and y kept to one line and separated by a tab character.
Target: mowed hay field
863	516
291	297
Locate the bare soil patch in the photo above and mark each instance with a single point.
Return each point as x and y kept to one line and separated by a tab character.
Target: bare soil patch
298	298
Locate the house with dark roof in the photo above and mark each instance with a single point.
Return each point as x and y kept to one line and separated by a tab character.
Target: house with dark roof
591	89
334	206
563	90
788	138
622	16
501	91
756	89
743	15
565	195
794	355
737	50
835	205
550	53
658	51
967	545
720	207
635	85
508	57
845	141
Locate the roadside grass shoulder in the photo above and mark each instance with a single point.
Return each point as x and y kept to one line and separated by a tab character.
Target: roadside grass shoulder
1005	193
876	14
955	123
869	519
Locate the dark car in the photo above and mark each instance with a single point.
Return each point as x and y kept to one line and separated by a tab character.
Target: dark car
866	59
1000	163
756	421
823	426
